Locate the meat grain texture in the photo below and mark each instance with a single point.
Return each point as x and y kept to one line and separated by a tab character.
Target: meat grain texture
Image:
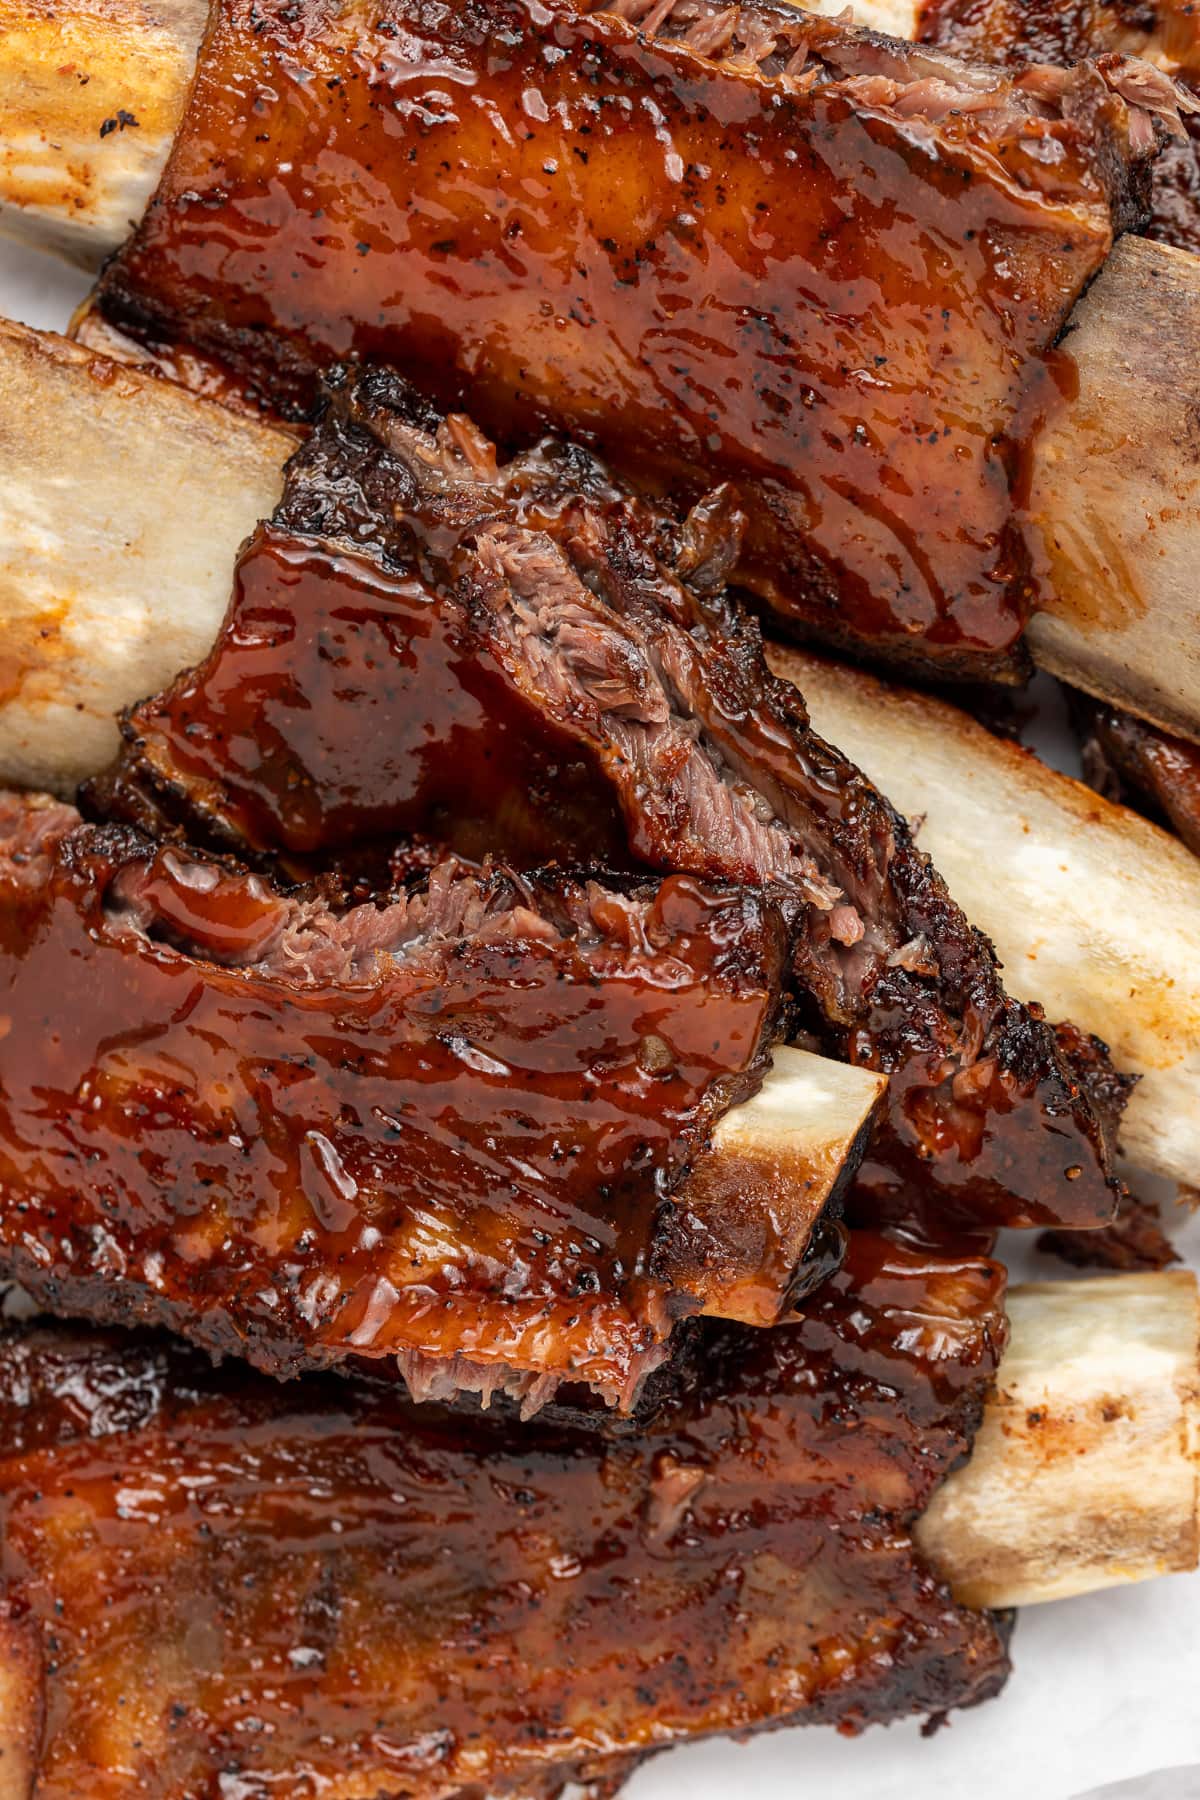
443	1130
515	655
1166	33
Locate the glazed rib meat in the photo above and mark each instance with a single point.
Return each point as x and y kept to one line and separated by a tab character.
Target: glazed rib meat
215	1584
1016	33
450	1130
741	244
515	656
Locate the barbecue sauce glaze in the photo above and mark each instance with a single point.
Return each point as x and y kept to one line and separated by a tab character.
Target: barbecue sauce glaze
218	1584
450	1131
1165	32
516	657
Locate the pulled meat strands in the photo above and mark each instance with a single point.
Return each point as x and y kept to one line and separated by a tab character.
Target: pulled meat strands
349	1572
873	399
453	1130
415	615
1164	33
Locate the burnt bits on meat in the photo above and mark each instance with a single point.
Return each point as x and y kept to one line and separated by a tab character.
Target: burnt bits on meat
743	244
513	656
343	1588
449	1130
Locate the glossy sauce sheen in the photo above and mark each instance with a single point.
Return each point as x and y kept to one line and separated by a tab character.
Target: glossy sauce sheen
509	656
224	1586
346	704
1166	32
550	221
458	1152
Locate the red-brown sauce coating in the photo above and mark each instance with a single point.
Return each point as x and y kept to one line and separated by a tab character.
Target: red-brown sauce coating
446	1131
510	657
220	1585
346	704
818	284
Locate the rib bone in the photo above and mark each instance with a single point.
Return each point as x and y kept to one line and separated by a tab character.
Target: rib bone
109	579
1084	1473
1093	911
90	99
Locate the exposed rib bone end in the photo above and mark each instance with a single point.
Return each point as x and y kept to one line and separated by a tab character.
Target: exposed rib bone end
1085	1473
1116	494
774	1165
112	578
89	97
1092	910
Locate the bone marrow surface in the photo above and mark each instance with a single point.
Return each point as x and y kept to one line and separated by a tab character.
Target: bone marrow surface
764	247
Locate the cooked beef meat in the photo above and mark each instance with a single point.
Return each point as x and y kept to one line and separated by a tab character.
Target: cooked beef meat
1016	33
515	656
743	244
1125	759
1134	1240
451	1130
213	1582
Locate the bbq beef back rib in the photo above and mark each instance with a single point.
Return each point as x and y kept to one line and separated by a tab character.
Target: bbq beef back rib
747	244
519	657
212	1580
472	1129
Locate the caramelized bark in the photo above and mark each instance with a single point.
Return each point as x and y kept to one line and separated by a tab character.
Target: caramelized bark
511	657
1166	32
446	1130
752	245
226	1584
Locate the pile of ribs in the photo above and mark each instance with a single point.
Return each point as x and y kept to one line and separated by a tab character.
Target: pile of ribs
462	1366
